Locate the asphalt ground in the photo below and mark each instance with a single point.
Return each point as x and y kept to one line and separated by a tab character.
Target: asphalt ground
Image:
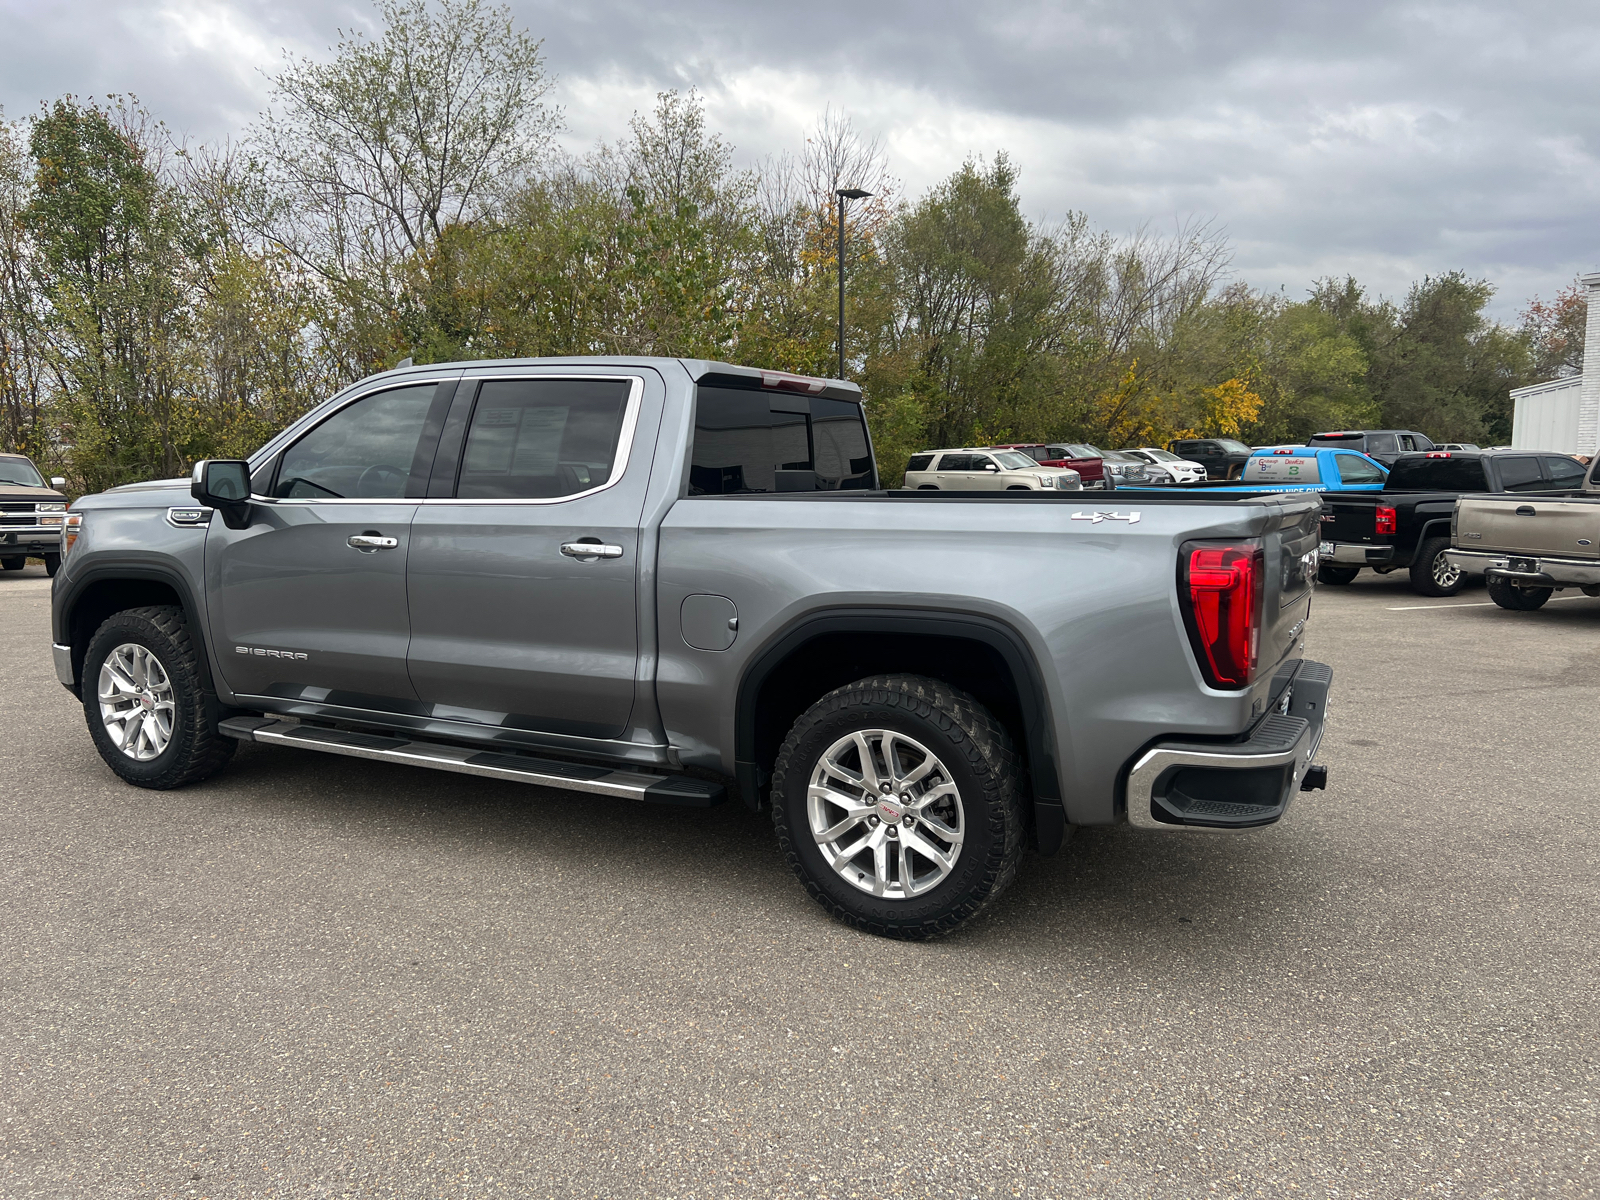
313	976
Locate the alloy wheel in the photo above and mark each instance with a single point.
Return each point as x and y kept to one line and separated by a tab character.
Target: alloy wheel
1445	574
136	701
886	814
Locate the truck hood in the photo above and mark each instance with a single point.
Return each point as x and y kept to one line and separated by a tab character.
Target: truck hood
13	492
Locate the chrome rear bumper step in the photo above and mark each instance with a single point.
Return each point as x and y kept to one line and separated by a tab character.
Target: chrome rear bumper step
466	760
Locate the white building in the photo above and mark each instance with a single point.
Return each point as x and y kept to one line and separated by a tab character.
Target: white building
1564	414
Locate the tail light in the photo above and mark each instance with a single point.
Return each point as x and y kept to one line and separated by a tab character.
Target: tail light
1386	520
784	382
1222	585
69	531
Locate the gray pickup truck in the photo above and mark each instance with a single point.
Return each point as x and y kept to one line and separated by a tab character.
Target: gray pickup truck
1529	546
669	581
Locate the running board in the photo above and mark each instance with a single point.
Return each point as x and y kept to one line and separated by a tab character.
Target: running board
494	764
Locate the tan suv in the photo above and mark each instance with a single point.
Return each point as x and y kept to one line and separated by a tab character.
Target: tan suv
986	471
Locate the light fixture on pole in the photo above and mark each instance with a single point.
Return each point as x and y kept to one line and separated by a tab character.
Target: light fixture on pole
844	194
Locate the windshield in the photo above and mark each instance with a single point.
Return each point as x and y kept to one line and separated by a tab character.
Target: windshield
1233	447
21	472
1118	456
1012	461
1161	455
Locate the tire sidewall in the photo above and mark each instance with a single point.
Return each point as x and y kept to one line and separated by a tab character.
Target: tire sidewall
982	848
189	709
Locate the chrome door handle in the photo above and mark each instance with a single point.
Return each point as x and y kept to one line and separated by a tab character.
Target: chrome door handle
590	550
367	542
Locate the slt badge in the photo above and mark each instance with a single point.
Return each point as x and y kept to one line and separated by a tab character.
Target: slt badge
1097	517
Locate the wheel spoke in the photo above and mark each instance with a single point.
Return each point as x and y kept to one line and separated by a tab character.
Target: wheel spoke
869	768
914	841
941	830
880	864
917	773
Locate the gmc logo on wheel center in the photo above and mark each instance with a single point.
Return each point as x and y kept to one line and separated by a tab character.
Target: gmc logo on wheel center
260	653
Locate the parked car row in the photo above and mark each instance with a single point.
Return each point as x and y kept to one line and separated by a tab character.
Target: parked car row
988	468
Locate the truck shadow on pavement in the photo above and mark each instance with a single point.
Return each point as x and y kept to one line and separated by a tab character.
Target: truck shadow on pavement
1104	884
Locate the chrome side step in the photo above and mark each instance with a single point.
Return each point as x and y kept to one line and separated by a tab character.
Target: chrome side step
441	756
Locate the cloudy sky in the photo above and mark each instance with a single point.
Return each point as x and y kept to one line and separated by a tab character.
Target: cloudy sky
1385	140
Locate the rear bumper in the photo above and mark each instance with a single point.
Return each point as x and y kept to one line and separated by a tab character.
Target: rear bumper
1529	569
1233	785
1354	554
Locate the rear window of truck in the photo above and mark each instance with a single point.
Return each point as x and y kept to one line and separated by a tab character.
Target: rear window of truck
1281	468
749	442
1438	475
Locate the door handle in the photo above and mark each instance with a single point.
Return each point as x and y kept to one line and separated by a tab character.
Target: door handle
590	550
1526	510
368	542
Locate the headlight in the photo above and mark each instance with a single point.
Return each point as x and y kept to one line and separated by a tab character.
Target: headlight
69	534
1046	481
49	508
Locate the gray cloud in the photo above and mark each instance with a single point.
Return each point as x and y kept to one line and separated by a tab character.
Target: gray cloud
1384	140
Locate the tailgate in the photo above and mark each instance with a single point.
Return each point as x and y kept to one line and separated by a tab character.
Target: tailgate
1291	551
1529	524
1350	518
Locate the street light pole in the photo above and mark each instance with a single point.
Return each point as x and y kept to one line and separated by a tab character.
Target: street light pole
844	194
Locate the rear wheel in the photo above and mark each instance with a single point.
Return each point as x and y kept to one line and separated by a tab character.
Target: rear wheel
928	487
1328	573
150	715
1431	573
14	563
1516	597
897	800
52	564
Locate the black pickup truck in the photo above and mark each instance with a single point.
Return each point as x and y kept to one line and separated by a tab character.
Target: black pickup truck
1408	523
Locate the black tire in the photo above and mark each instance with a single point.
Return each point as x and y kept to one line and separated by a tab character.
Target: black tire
1430	574
978	757
1017	487
195	749
1518	599
14	563
1328	573
52	564
928	487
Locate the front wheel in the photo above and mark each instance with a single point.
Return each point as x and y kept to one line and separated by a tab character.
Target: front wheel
1515	597
14	563
897	800
52	564
1432	574
144	697
1328	573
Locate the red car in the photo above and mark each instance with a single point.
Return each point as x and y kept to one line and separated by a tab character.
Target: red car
1085	460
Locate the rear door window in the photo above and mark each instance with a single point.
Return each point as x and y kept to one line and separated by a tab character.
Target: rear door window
366	450
542	438
1355	469
751	442
1564	472
1521	474
955	462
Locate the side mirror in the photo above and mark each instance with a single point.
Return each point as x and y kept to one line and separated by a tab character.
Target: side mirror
224	484
58	481
990	467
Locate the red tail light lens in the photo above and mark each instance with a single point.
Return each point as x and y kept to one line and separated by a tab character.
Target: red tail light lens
1223	586
1386	520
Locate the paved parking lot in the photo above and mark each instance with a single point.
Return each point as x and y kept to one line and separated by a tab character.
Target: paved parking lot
318	977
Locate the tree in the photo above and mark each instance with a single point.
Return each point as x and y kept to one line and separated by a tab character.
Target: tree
109	246
1555	332
369	158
